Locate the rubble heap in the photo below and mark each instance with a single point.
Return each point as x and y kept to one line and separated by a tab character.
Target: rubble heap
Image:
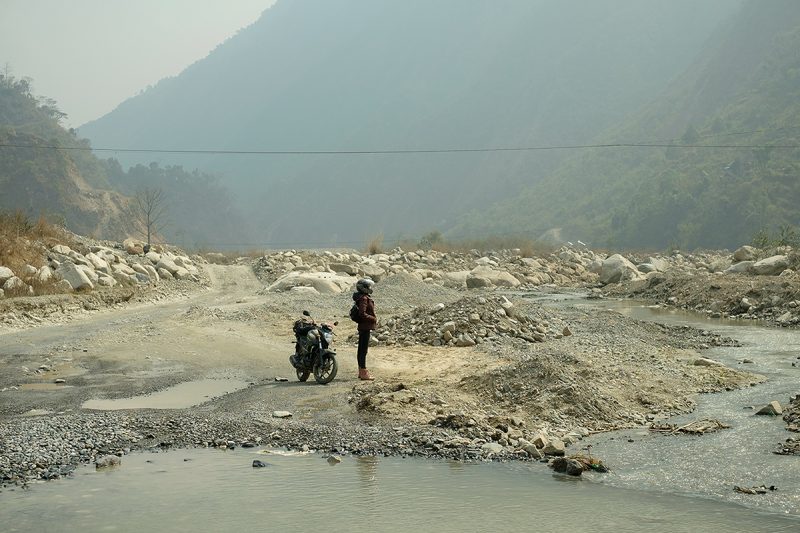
469	321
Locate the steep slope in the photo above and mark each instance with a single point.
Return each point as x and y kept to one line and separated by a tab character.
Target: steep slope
65	186
744	91
411	74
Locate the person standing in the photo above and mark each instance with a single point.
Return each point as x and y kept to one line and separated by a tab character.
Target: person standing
367	321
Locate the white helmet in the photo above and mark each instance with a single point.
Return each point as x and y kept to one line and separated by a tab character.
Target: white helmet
365	285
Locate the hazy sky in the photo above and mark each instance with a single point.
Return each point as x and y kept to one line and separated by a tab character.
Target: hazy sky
90	55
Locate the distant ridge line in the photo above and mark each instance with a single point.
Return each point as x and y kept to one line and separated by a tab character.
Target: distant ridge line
409	151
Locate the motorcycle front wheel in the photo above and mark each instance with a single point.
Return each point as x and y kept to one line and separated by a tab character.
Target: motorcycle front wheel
302	374
325	372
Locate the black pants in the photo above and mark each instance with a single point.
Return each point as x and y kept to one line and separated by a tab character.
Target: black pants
363	346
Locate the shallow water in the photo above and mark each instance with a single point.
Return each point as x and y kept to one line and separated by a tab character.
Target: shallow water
710	465
180	396
210	490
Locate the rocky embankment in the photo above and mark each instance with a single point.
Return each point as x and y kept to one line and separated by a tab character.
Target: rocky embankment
90	277
750	283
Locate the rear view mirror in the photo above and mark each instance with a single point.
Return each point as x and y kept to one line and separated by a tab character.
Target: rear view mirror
336	323
306	313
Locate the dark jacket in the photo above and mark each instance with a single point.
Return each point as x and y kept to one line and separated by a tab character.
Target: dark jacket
366	311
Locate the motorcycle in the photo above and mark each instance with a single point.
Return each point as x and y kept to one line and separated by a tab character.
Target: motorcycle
312	353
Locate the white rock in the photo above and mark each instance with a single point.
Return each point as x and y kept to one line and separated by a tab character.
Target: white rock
45	274
61	249
616	268
740	267
89	271
167	264
771	266
5	274
745	253
15	284
324	282
702	361
98	263
76	277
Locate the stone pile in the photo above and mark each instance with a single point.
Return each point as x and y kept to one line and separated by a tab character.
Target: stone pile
469	321
332	272
69	270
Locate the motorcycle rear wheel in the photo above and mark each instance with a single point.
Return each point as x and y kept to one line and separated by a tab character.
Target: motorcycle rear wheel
325	372
302	374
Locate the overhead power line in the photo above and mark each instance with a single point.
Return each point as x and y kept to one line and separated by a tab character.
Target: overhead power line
408	151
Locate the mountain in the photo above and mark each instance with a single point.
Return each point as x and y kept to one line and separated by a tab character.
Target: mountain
65	186
91	196
315	75
744	90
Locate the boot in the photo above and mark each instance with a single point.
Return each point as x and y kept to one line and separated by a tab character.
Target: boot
364	375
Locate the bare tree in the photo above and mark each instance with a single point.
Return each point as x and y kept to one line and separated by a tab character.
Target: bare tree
150	210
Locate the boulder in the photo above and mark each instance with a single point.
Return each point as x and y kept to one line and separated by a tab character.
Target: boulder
44	275
98	263
61	249
659	263
29	271
456	279
373	272
76	277
719	265
133	246
554	447
343	268
107	461
771	266
324	282
740	267
154	257
104	280
702	361
15	285
745	253
646	268
479	277
773	408
492	448
163	273
5	274
168	265
616	268
90	272
151	271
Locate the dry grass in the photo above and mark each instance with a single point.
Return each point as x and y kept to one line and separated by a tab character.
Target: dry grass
24	242
375	245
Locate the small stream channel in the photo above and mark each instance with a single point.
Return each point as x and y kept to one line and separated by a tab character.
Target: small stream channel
658	483
711	465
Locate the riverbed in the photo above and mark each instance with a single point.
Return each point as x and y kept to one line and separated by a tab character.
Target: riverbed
210	490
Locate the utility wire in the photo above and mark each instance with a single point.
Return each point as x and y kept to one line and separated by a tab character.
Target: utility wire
409	151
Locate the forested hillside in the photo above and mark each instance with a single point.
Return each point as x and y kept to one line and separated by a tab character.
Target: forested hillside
91	196
744	91
69	187
315	75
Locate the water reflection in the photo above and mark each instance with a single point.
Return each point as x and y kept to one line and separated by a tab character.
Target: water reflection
221	492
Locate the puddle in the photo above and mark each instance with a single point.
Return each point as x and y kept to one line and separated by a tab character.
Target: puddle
181	396
207	490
